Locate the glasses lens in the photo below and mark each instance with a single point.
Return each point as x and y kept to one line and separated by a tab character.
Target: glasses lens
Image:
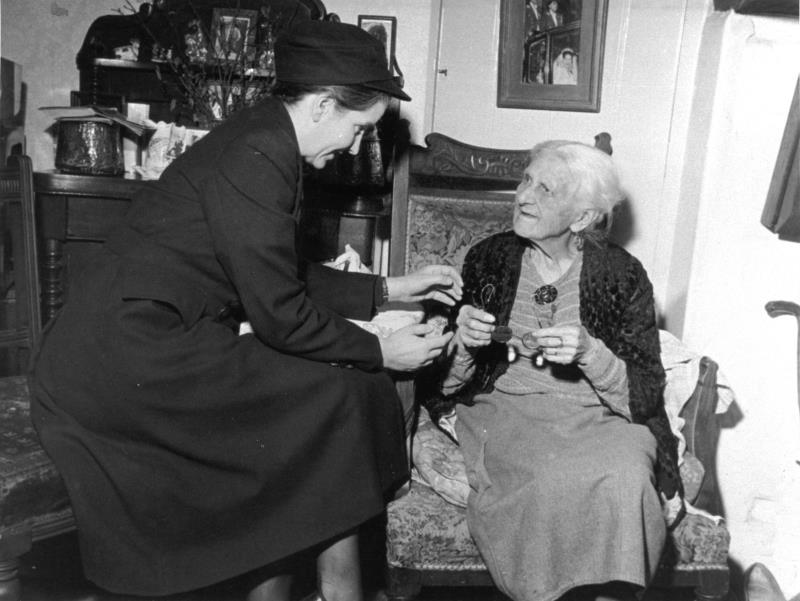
529	340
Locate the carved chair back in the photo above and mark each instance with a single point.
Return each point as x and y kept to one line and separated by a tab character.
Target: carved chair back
448	196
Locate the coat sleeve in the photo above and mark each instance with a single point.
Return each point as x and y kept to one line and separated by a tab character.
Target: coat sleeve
249	203
343	292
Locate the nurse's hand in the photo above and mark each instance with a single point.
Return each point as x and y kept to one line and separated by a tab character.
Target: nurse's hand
438	282
412	347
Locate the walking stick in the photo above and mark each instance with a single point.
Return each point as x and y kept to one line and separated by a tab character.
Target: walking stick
776	308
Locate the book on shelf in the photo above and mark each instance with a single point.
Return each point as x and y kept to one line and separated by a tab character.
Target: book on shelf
93	113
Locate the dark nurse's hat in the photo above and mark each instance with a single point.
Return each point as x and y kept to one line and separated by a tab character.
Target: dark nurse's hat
327	53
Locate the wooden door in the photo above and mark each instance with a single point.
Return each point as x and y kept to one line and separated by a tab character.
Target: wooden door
466	79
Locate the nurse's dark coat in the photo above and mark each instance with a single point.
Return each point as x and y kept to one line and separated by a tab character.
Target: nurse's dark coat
192	454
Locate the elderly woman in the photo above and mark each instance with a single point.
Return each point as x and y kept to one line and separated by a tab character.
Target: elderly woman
193	454
556	376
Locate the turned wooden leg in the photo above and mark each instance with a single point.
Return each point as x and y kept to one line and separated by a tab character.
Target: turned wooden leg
401	584
52	284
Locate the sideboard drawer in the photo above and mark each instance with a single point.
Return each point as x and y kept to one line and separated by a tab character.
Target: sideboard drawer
93	218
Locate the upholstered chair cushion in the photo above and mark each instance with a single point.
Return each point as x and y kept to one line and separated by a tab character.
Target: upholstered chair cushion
439	488
30	487
438	463
698	540
414	540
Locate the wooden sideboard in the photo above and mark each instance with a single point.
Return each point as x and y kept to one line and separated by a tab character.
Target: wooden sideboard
76	212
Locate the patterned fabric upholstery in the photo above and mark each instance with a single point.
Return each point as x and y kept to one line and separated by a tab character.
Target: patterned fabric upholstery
30	487
416	541
698	540
440	489
692	472
442	229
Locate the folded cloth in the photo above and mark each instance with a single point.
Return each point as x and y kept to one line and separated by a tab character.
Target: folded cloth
682	368
349	260
386	322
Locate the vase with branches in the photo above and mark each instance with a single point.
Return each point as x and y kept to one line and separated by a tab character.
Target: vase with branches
213	60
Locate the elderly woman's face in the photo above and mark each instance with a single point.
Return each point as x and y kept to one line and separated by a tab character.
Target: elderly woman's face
544	206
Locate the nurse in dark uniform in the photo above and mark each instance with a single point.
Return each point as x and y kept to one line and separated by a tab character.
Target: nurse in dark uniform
193	454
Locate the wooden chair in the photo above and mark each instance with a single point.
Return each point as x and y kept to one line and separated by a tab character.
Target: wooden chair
447	196
33	500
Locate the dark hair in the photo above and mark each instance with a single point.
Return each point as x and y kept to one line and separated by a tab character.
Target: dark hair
348	97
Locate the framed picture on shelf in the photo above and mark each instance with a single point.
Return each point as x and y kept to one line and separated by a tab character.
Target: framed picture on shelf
383	28
233	33
551	54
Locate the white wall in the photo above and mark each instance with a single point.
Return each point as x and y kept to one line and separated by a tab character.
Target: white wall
738	266
44	36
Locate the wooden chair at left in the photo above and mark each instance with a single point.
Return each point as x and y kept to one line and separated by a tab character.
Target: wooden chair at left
33	500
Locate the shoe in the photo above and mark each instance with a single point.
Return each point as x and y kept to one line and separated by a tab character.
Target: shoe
760	585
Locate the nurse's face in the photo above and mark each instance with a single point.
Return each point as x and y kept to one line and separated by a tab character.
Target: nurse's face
339	130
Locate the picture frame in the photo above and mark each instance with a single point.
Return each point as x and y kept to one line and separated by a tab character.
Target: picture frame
383	28
759	7
551	54
233	33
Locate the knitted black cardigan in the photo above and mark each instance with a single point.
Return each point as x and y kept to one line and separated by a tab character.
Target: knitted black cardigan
616	306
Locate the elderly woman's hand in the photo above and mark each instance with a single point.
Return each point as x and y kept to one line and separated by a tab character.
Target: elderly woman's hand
474	330
563	344
438	282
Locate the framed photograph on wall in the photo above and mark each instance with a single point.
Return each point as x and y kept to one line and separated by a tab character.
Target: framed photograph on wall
233	33
551	54
383	28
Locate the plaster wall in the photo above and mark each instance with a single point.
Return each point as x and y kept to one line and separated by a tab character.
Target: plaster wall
44	37
736	267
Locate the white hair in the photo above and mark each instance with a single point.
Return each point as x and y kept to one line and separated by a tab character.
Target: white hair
593	179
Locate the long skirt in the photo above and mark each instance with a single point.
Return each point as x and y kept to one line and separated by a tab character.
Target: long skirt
562	493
